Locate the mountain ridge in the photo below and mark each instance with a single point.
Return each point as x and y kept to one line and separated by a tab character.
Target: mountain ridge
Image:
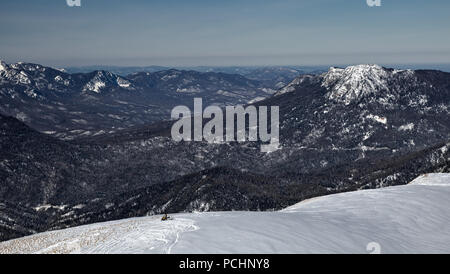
68	106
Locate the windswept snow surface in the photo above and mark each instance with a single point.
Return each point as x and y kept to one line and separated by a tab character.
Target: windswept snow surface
405	219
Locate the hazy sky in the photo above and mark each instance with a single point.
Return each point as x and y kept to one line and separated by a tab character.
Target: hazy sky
224	32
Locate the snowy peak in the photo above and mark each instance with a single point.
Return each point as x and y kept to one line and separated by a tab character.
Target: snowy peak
31	80
98	81
3	66
104	79
367	108
27	80
354	75
354	82
36	79
348	85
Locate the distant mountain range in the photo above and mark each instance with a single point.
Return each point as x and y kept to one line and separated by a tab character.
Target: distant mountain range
85	104
274	76
271	76
349	128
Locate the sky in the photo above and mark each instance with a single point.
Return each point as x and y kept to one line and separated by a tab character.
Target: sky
224	32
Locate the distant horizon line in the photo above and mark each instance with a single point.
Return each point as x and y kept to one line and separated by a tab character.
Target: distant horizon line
260	66
342	65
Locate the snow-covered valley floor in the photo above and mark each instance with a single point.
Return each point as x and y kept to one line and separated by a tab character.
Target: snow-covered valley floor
405	219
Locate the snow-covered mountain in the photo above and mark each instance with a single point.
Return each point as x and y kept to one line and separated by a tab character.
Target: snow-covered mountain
354	83
86	104
365	108
404	219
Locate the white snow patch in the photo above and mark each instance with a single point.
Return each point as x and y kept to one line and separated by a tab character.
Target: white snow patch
169	77
96	86
376	118
22	116
123	83
3	66
23	78
227	93
257	99
189	90
433	179
80	206
46	207
406	127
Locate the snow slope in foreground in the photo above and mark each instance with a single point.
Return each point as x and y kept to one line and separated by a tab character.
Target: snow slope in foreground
406	219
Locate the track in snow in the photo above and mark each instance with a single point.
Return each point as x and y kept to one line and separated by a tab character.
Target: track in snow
405	219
